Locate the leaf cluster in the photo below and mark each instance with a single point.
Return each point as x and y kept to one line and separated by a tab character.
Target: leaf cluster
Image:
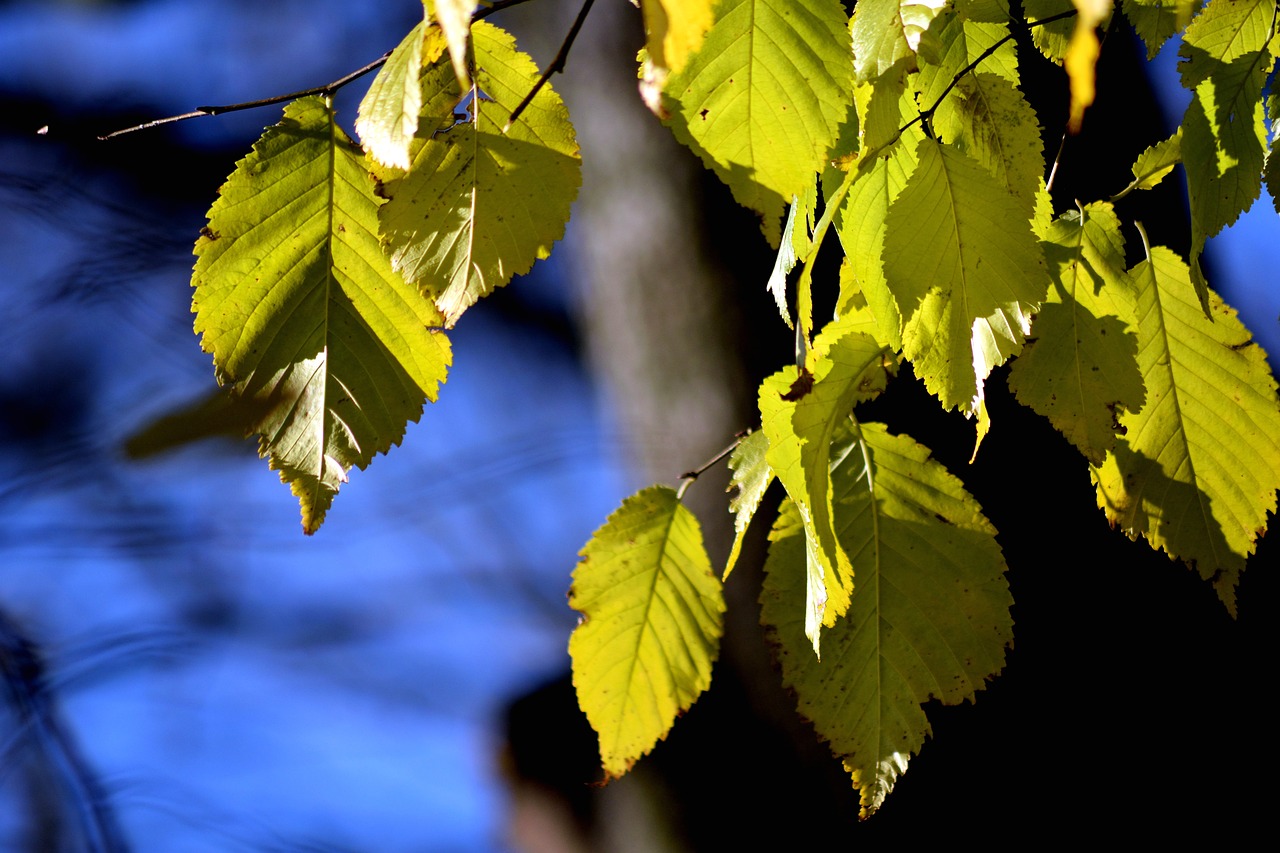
899	136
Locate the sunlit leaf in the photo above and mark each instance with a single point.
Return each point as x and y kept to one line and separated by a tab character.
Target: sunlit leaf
800	415
1082	56
1156	21
1081	369
861	226
1156	162
929	617
1223	149
454	18
762	100
1053	39
751	477
299	306
966	271
887	31
652	619
1198	468
480	206
388	115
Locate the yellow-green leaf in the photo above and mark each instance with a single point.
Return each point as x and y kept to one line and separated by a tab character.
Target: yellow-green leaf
1154	163
961	42
1081	369
1224	146
762	100
1082	56
887	31
800	415
751	477
299	306
1156	21
1224	31
1197	471
388	114
1053	39
929	618
986	117
966	270
480	206
674	30
652	617
860	223
454	18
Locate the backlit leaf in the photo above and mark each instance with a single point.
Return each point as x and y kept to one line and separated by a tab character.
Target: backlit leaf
966	271
861	226
762	100
300	308
751	477
1156	162
1052	39
1223	149
887	31
480	206
652	620
1082	56
1224	31
1081	369
388	115
454	18
929	618
800	417
1198	469
1156	21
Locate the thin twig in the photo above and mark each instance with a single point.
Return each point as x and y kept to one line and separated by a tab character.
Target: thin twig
556	66
198	112
689	476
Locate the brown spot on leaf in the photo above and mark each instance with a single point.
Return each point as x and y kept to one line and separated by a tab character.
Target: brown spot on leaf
802	386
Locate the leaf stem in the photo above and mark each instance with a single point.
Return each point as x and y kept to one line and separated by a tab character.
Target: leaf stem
327	89
556	66
688	477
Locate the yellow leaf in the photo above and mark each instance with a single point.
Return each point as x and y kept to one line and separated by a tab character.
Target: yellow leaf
1082	56
454	17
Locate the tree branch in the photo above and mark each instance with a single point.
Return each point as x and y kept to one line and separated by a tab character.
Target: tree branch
689	476
556	66
329	89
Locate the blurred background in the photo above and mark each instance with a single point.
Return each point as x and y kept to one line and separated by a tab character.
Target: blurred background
183	670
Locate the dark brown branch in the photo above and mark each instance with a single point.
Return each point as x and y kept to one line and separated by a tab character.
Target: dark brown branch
329	89
556	66
689	476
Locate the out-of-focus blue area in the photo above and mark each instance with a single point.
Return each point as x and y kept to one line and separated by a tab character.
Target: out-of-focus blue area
230	683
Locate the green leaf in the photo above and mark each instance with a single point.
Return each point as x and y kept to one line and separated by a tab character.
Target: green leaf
1154	163
652	620
1223	149
219	414
1223	32
929	618
299	306
960	43
786	261
1052	39
1081	369
860	223
751	477
966	270
986	117
388	114
887	31
1197	472
454	18
762	100
800	416
1156	21
480	206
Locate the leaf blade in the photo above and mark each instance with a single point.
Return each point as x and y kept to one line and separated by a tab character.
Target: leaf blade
652	620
